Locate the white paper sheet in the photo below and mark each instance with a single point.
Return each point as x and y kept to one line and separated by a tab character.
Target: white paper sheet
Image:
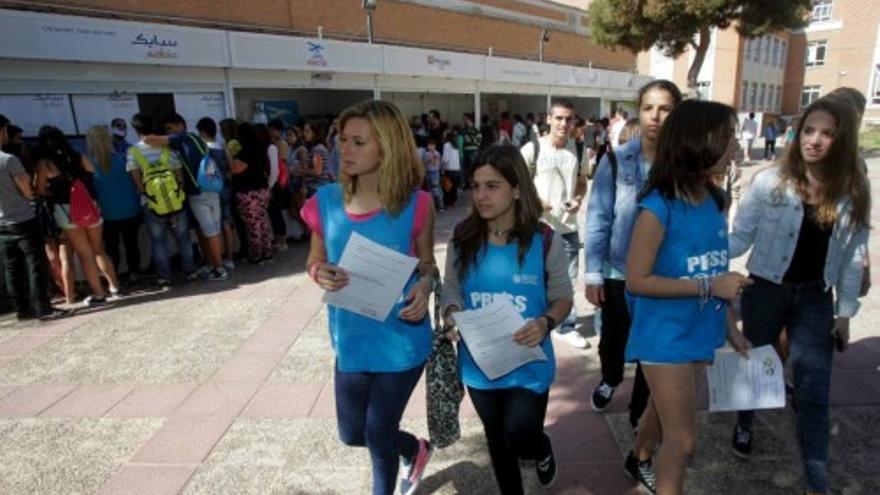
736	383
488	334
377	276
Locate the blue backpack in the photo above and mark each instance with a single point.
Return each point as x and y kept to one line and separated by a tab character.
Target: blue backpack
210	177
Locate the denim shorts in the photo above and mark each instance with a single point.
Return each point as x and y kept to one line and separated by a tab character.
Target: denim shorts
61	213
226	204
205	207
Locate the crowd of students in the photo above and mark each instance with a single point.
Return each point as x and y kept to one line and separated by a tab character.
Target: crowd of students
58	203
658	248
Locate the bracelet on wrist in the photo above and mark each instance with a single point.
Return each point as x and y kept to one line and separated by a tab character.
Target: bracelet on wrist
551	322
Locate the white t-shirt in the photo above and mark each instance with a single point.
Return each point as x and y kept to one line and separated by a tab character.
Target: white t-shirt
273	165
451	160
749	129
616	128
556	176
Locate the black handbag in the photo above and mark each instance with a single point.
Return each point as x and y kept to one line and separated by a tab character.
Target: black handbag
444	389
48	226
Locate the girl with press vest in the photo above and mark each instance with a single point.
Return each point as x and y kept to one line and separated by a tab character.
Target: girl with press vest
503	250
611	214
677	277
803	220
58	167
377	363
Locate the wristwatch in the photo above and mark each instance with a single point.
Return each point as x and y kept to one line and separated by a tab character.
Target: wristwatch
551	322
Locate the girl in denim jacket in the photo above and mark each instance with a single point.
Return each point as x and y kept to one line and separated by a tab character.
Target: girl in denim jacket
803	221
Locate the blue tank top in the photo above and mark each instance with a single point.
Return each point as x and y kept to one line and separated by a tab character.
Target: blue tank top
497	273
117	195
362	344
676	330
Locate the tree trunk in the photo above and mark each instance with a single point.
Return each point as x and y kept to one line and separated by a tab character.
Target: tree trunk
699	57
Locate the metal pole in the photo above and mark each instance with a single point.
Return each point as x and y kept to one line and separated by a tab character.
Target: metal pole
541	48
369	26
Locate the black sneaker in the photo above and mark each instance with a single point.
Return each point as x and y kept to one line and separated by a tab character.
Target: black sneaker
742	442
642	472
602	396
546	467
94	301
53	314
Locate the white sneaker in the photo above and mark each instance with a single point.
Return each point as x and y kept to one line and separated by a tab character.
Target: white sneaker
574	339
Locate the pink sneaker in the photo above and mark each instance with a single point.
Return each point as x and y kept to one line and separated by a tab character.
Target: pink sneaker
412	473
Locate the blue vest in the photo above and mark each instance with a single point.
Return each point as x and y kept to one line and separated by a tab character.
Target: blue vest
363	344
497	273
677	330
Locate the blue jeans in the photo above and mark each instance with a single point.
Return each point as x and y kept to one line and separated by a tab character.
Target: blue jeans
368	409
807	312
572	248
179	226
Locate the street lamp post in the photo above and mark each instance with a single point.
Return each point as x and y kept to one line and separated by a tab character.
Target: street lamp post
369	6
545	37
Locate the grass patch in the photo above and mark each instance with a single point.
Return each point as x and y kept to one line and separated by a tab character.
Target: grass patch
869	141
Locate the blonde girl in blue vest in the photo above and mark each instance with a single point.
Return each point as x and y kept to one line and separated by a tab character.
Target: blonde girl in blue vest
377	363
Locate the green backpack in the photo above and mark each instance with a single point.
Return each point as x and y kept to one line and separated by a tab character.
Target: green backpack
164	195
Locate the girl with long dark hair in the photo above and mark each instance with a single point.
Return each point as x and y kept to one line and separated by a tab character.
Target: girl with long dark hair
251	186
677	276
58	167
502	250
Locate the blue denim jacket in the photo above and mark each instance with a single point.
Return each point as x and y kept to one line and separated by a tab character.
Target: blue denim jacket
610	226
768	221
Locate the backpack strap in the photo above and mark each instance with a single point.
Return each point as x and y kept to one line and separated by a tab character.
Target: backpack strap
546	242
197	141
139	158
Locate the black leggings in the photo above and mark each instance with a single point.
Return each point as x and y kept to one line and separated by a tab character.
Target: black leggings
612	344
513	419
277	201
127	230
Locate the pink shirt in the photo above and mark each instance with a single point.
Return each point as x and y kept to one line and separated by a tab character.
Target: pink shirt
311	215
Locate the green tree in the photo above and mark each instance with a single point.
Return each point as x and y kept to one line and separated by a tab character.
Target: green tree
676	25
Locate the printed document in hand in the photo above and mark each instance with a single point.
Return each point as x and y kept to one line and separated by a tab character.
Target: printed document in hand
736	383
376	278
488	333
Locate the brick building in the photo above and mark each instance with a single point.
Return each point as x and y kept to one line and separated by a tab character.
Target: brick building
72	62
778	75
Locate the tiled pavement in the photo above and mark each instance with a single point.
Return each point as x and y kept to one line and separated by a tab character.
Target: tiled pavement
227	388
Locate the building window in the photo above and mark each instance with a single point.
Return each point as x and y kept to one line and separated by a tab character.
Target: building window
809	94
756	49
762	94
783	53
875	86
821	10
767	47
744	100
778	105
753	96
775	60
816	51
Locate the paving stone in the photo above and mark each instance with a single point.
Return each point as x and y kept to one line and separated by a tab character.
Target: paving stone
66	455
